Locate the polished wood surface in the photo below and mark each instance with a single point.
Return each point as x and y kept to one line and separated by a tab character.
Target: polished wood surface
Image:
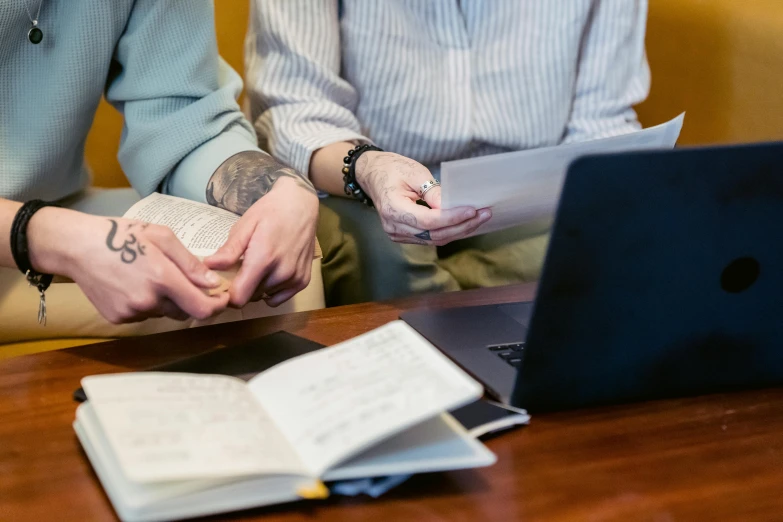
709	458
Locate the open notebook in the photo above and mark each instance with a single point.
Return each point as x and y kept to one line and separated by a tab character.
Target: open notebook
173	445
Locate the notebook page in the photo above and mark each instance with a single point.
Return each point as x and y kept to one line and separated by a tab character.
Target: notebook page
523	187
178	426
335	402
201	228
437	444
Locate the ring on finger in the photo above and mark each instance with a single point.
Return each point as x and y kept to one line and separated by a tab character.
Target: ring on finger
424	235
426	187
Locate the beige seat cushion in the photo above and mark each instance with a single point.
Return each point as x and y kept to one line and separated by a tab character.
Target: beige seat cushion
72	318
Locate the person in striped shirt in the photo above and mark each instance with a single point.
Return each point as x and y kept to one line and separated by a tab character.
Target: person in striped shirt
429	81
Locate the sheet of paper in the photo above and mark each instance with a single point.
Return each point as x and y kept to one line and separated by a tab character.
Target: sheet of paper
437	444
335	402
176	426
524	187
201	228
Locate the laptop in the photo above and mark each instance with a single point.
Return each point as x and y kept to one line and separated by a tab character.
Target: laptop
663	278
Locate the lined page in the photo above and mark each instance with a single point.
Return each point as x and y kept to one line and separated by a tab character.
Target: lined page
176	426
335	402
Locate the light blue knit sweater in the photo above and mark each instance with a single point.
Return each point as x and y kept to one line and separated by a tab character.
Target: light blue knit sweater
158	64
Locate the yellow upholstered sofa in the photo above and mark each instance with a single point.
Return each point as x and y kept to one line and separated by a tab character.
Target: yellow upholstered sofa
719	60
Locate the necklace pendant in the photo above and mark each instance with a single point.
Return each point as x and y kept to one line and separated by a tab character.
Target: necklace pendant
35	35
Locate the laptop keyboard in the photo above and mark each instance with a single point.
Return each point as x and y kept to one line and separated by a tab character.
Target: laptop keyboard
511	352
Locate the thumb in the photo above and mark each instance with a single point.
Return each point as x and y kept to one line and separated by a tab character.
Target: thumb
229	254
433	200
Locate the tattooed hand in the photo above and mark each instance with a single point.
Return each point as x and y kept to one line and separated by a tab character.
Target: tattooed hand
276	234
129	270
130	248
393	182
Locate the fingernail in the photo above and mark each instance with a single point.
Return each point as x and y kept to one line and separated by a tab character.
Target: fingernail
484	214
469	213
213	278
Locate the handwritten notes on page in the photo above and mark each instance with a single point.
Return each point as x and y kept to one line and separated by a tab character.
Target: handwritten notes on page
335	402
524	187
171	426
297	418
201	228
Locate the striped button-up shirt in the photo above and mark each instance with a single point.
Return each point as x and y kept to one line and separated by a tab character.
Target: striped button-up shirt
438	80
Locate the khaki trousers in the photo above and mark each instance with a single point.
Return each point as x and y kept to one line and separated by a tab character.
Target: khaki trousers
361	264
70	313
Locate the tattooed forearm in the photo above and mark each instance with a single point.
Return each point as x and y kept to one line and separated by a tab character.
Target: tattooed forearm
245	178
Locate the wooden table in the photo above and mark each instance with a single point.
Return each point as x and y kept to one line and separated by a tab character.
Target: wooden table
709	458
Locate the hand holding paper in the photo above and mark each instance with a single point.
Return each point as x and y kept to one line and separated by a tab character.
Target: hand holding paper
393	182
524	187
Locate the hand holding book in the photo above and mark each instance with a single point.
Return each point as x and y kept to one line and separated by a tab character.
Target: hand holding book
203	229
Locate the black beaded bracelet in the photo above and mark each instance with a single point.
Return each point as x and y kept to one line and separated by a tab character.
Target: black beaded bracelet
20	251
352	187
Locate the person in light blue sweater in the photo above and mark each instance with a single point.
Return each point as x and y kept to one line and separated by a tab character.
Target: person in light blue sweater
156	61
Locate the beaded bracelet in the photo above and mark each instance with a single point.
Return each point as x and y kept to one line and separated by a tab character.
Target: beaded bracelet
352	187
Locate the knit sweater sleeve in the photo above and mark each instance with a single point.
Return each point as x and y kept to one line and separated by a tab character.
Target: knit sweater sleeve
178	99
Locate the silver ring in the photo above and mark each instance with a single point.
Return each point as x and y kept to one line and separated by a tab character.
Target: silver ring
426	187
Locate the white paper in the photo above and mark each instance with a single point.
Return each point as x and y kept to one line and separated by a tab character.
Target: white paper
524	187
174	426
202	228
438	444
338	401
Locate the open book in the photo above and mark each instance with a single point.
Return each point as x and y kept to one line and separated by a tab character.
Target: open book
202	228
173	445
